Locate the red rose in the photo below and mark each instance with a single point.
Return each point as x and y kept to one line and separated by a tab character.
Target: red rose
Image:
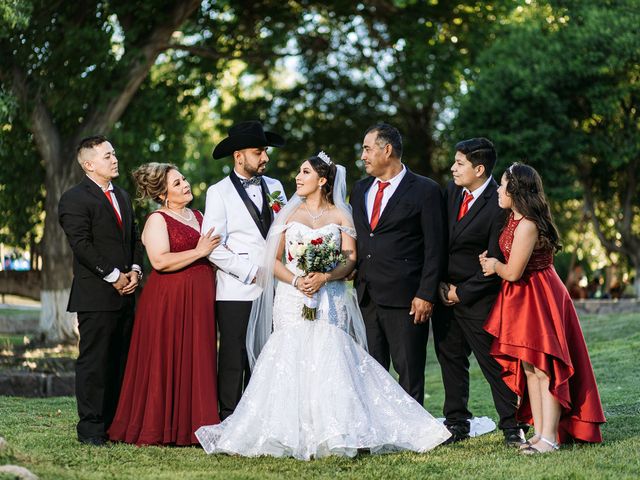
317	241
276	207
289	256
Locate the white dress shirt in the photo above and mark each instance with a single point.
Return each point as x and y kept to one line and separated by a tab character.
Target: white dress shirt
477	192
386	193
254	192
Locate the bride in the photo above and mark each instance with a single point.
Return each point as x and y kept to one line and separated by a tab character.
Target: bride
314	389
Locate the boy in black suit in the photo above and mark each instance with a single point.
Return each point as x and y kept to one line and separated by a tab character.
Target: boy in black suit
97	218
474	223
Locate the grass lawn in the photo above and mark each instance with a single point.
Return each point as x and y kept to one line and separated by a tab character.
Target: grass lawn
41	435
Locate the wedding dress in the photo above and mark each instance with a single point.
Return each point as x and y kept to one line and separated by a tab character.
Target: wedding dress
314	391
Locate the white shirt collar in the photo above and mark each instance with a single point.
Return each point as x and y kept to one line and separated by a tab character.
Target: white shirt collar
108	189
478	191
396	179
240	176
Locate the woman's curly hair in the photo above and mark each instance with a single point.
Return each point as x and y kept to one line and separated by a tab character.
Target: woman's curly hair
525	189
151	181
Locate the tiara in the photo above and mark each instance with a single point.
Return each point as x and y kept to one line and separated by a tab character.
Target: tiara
324	157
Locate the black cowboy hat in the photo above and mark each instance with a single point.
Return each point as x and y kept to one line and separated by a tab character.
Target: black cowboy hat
246	135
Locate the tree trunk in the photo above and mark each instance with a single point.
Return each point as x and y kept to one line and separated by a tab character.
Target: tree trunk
636	283
56	324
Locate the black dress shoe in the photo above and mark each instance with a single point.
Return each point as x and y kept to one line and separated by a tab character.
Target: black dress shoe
95	441
514	437
458	434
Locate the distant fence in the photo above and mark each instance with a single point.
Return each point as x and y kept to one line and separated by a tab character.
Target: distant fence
22	283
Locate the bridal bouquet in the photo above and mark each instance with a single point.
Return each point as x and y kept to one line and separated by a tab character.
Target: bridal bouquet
319	255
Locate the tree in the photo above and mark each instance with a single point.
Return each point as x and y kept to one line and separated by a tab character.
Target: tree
562	91
142	72
73	70
139	72
360	63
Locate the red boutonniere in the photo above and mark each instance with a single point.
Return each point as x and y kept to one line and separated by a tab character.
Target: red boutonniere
275	201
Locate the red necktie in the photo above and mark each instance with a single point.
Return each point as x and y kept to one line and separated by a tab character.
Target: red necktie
375	213
464	206
108	194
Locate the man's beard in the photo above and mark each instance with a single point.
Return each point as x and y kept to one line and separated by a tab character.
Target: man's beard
254	171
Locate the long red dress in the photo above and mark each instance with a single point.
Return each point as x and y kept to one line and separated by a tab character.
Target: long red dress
169	388
534	320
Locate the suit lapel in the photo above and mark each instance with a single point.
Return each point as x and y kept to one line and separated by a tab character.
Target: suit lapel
251	207
476	208
454	206
362	201
124	211
97	192
267	212
403	187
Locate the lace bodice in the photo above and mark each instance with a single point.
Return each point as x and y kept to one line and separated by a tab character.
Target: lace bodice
287	306
299	234
183	237
541	258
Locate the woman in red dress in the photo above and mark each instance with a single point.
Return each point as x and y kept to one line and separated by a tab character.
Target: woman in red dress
539	342
169	387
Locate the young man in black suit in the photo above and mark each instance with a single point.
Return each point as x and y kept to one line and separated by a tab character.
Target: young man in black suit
398	217
475	221
97	218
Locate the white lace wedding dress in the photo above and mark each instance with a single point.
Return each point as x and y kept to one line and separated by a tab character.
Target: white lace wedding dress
314	391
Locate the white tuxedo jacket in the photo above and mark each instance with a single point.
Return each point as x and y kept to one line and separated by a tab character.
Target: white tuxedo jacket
242	249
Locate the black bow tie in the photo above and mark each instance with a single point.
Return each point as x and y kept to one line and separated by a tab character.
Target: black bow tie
252	181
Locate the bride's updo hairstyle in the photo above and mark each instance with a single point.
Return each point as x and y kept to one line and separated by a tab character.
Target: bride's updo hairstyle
326	170
151	180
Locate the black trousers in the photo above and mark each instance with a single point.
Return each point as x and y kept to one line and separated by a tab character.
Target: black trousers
104	344
393	337
233	365
455	338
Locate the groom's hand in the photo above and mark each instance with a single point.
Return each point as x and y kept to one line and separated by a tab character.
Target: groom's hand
421	310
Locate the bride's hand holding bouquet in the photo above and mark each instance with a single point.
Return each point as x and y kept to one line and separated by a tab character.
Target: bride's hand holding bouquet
320	256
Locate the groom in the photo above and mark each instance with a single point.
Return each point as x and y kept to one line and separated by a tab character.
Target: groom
475	221
398	217
241	208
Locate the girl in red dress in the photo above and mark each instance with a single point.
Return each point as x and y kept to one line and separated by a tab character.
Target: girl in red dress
539	342
169	388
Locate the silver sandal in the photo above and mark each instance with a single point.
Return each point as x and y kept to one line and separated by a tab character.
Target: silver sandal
533	450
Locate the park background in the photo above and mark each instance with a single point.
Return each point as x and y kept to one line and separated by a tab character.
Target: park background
555	84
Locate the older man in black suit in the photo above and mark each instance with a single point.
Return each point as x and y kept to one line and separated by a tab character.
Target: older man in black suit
97	218
398	217
475	221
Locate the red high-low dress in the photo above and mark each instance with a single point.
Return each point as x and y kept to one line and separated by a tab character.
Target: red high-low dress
169	388
534	320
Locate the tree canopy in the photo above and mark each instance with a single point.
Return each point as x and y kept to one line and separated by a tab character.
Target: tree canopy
554	82
561	91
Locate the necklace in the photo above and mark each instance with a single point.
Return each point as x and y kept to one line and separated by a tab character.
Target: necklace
187	218
314	218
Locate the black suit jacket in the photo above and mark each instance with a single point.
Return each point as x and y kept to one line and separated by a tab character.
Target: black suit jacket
99	245
476	232
403	257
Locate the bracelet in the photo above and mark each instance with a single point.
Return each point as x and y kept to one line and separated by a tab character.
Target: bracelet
326	279
294	281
